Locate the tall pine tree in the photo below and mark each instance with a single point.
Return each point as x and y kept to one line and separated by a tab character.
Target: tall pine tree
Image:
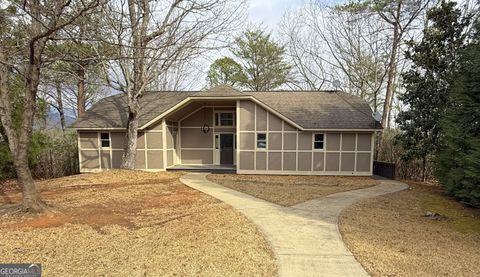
434	61
457	163
263	61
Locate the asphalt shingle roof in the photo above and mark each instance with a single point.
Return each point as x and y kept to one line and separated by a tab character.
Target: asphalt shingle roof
309	109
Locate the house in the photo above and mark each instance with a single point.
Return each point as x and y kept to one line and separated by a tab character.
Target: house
281	132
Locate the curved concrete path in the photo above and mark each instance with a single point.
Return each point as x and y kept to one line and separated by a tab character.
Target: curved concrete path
304	237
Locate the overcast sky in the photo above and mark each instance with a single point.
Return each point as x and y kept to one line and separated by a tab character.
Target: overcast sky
270	12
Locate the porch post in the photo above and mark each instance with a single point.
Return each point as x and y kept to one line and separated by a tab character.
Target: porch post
164	143
237	139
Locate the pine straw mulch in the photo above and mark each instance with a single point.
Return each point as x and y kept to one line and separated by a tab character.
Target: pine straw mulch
132	223
290	190
392	236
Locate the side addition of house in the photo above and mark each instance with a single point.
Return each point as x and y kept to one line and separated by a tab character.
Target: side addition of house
284	132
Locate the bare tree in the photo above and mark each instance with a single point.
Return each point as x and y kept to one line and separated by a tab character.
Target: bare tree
42	20
329	43
402	16
358	43
311	70
152	37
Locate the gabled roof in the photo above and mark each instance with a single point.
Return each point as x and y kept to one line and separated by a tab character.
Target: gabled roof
309	110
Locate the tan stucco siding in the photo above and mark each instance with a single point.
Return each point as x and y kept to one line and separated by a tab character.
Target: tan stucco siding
140	160
117	158
247	116
197	157
199	118
291	151
89	159
88	140
154	140
93	157
195	138
155	159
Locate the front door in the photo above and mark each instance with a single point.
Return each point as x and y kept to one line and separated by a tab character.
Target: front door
226	148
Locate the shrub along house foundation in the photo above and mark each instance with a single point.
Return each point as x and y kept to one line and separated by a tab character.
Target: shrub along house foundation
284	132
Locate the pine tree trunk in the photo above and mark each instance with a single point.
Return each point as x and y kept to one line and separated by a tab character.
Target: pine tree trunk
81	91
130	148
61	111
392	66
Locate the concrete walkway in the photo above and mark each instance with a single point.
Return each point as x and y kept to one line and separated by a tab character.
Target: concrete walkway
304	237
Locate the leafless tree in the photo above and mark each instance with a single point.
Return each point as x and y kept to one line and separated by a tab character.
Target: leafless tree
152	37
358	43
42	20
402	16
311	70
327	43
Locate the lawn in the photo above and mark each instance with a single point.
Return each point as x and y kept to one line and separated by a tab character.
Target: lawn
132	223
391	236
290	190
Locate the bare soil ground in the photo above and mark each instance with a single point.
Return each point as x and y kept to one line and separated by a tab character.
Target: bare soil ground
391	236
290	190
132	223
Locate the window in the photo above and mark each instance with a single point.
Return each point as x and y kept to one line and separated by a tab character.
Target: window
318	141
261	141
105	140
224	119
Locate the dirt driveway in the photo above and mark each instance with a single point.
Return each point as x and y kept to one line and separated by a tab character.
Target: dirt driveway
132	223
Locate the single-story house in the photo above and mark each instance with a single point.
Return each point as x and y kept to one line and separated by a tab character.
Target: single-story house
281	132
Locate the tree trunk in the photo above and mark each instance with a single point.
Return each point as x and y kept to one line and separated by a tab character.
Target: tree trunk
81	91
31	198
18	140
392	66
130	148
61	111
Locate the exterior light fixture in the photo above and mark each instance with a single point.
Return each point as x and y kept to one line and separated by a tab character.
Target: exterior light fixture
205	128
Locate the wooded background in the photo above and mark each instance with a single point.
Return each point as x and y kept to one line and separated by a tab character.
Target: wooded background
406	58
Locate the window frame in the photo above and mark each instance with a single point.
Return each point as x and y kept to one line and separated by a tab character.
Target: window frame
314	141
218	120
102	140
257	140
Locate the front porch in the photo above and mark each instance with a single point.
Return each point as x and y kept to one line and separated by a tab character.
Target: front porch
201	136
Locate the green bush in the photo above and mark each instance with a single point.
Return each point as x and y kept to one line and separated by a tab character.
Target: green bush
457	164
50	154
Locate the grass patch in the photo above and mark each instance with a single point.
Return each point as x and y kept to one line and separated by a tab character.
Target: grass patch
391	236
133	223
290	190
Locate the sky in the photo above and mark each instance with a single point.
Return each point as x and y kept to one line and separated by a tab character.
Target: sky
269	13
